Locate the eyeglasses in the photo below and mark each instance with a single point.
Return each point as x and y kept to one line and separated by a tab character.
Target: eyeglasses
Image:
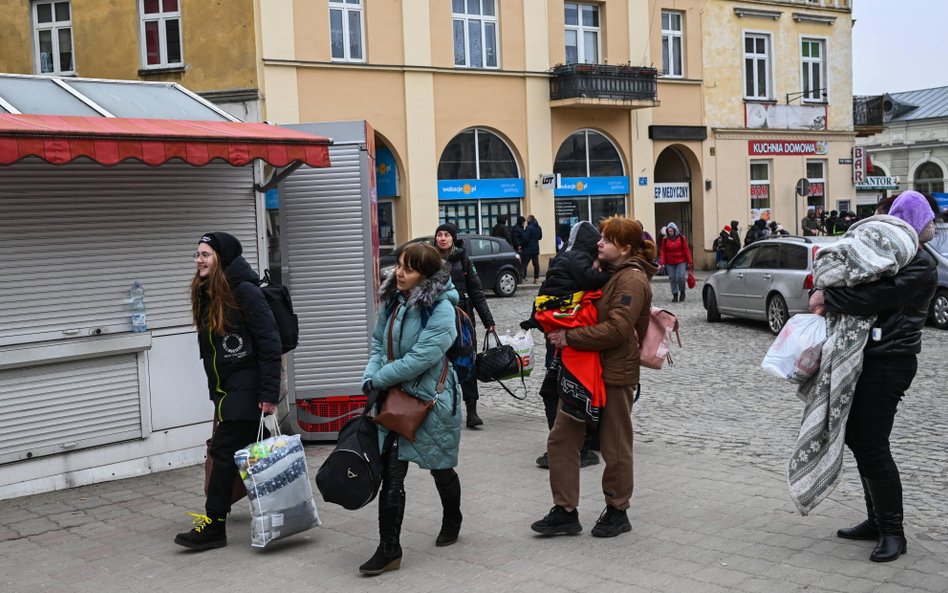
198	255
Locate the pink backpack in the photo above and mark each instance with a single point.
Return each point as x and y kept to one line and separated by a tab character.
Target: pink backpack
656	345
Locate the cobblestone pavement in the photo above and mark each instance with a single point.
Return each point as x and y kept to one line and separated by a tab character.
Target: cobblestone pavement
716	399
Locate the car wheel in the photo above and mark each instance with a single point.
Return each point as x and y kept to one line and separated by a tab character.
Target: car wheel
777	313
939	309
506	284
711	304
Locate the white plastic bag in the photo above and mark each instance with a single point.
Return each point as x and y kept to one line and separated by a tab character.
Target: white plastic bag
278	487
795	354
522	343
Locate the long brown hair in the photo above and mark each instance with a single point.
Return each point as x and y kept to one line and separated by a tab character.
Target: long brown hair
220	296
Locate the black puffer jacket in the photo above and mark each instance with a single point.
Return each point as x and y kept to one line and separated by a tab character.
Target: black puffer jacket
901	303
571	270
468	284
243	365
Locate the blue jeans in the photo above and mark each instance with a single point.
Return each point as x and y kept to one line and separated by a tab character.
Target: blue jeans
676	276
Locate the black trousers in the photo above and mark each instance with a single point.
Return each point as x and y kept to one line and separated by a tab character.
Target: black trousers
533	258
469	391
881	386
230	436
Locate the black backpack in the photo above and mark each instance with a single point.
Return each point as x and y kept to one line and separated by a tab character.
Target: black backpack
352	474
278	297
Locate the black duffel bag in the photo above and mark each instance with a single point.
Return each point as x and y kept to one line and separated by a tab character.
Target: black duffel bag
352	474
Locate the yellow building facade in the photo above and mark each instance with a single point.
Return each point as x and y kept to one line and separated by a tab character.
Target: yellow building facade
778	93
208	47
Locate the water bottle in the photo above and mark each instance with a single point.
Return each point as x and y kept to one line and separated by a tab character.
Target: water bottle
138	307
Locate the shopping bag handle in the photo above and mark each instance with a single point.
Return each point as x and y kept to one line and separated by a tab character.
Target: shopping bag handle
274	430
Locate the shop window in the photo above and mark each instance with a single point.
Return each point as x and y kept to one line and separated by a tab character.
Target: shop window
816	175
813	63
462	214
161	33
475	33
491	209
477	154
929	178
673	61
582	33
760	184
588	153
52	38
757	66
345	30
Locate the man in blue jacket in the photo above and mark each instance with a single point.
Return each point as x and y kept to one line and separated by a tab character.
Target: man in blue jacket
531	247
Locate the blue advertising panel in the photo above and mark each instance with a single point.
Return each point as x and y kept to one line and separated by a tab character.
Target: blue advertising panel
473	189
592	186
386	180
272	198
942	200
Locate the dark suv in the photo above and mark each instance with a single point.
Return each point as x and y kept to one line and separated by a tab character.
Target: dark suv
497	263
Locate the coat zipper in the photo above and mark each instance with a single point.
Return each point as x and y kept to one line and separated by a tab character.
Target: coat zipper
217	376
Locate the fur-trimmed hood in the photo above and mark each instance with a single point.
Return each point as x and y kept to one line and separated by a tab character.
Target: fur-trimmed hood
430	290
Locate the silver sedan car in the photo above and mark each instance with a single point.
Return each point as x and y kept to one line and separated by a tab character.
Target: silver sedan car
768	280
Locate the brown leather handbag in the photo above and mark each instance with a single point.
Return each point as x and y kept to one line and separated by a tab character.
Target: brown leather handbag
401	412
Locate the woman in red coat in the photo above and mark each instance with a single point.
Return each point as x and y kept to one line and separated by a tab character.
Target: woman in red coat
676	257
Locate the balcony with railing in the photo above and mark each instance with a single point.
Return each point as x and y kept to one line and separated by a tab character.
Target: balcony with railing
868	115
603	85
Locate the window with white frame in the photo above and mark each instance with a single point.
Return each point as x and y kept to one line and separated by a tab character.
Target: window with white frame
52	37
757	66
813	62
475	33
760	184
582	33
673	44
345	30
161	33
816	175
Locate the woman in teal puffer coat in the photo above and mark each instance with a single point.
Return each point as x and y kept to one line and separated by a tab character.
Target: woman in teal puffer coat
417	310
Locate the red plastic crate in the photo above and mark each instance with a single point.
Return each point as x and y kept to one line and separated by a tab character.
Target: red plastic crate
337	407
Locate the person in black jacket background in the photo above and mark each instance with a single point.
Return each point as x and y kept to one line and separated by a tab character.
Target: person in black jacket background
501	230
240	347
516	234
531	247
889	365
471	293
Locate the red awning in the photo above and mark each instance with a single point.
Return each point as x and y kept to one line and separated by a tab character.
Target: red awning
58	139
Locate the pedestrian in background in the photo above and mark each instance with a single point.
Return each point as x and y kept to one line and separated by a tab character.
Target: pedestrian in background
501	230
756	232
531	247
470	298
736	234
810	223
676	257
410	353
240	347
516	234
623	314
899	304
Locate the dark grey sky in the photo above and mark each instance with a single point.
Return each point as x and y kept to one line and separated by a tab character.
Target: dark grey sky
899	45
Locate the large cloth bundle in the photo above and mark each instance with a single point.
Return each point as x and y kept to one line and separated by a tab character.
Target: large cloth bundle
278	487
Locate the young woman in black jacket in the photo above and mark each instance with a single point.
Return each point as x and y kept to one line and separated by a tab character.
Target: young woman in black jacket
889	365
471	293
240	348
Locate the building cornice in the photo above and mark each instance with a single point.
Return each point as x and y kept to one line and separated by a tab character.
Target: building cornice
313	64
759	13
754	134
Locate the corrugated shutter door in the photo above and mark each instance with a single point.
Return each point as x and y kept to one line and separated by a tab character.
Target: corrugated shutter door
74	237
324	229
65	406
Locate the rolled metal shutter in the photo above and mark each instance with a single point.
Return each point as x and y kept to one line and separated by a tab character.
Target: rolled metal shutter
72	240
324	229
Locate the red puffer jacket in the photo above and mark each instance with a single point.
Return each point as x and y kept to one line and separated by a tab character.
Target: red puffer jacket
675	251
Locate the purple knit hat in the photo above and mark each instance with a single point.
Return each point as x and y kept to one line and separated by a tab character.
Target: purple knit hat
913	208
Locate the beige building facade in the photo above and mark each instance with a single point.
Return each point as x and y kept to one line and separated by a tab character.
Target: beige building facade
778	88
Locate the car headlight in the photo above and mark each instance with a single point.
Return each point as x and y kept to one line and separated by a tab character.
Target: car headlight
386	272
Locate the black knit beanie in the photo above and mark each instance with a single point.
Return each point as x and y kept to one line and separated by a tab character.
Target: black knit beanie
227	247
450	229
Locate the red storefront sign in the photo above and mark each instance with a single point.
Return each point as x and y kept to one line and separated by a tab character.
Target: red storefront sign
786	147
760	192
816	188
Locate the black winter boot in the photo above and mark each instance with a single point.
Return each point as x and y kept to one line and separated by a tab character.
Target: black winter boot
867	530
208	533
388	556
473	420
449	489
887	502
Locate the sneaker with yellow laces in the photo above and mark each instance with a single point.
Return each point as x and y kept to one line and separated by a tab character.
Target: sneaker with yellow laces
208	533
